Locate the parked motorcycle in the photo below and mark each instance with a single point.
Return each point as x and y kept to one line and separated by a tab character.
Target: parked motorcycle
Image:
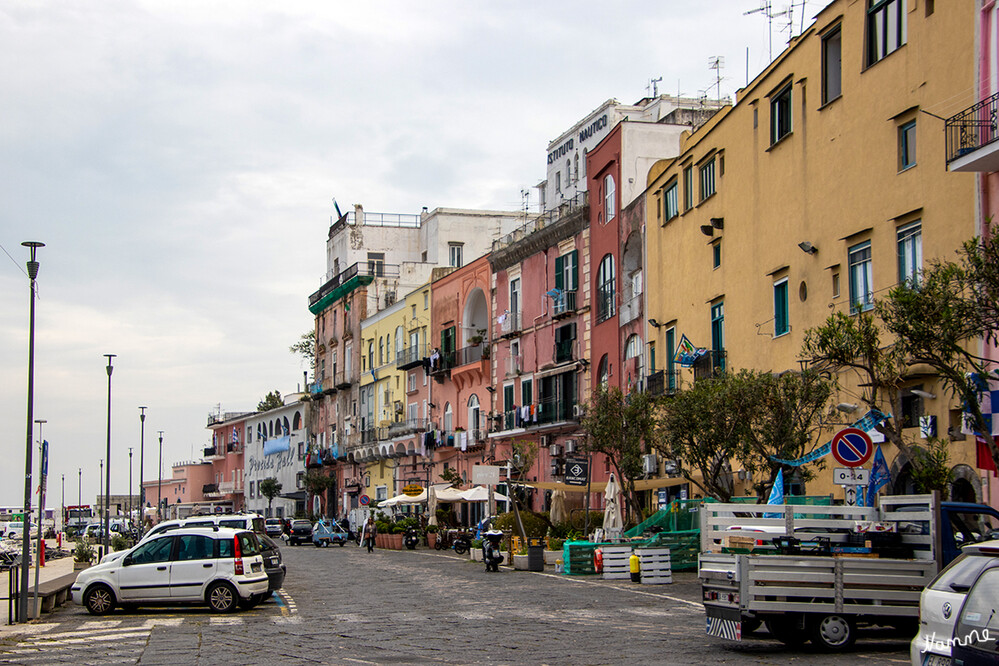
462	543
411	538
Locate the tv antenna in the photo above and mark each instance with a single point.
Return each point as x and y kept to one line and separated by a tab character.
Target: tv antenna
654	85
525	196
766	8
717	63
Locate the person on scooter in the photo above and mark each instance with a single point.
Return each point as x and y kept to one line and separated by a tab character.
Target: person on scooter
491	553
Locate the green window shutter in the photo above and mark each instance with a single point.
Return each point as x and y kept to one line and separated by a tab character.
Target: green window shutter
508	397
573	270
559	268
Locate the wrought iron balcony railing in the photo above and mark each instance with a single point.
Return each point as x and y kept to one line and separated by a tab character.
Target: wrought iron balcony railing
972	128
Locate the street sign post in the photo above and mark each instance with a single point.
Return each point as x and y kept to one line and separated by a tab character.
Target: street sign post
852	447
364	500
577	472
851	476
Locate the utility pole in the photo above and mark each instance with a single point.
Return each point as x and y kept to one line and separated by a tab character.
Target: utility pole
142	450
159	486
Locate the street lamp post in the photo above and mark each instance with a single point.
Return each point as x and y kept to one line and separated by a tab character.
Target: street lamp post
107	472
79	495
159	484
42	462
142	450
22	605
130	485
63	503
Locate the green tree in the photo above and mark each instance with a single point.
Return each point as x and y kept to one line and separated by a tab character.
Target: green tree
317	483
853	346
269	488
306	348
450	475
271	401
939	319
620	427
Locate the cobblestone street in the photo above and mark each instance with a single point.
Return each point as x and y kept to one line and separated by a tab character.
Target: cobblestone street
345	606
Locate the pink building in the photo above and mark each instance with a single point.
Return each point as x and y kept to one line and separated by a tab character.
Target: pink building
226	456
184	487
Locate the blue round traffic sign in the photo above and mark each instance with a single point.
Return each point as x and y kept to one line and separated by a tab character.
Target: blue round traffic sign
363	500
852	447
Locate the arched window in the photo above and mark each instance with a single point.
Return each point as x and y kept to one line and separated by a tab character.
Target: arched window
371	355
473	414
448	418
609	198
606	305
297	422
603	371
381	352
575	167
399	333
633	360
285	430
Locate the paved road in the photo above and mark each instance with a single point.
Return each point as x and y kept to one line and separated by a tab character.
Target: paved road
344	606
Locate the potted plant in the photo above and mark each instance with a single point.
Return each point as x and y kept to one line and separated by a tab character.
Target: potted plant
553	552
520	559
83	554
431	536
476	552
395	538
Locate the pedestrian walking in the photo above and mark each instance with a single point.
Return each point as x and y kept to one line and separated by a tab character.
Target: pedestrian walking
370	532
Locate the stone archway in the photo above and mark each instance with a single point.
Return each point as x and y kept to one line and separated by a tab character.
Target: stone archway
965	486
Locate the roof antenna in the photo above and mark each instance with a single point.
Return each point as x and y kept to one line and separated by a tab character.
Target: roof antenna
717	63
654	84
766	8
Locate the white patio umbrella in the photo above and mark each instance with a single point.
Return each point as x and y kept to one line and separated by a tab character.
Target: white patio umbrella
613	521
557	514
432	507
481	494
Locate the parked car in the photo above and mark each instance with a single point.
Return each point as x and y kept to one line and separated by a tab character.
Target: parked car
940	603
252	522
220	567
326	532
273	564
15	528
976	635
300	531
274	527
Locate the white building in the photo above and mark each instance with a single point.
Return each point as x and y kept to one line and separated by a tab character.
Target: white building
275	448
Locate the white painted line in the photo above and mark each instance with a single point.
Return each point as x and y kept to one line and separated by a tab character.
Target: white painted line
570	579
99	624
217	621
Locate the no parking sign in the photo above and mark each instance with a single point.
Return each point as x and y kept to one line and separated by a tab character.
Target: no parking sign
852	447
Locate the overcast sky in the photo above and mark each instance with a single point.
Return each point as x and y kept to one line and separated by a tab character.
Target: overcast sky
179	159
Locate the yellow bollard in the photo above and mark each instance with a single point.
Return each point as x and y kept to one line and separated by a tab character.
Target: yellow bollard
636	568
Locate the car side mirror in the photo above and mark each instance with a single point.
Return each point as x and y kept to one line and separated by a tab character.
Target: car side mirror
127	561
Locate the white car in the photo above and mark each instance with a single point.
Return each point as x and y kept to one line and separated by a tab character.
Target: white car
252	522
15	528
220	567
941	601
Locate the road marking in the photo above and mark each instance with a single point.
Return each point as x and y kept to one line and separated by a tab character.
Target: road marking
285	603
99	624
581	581
217	621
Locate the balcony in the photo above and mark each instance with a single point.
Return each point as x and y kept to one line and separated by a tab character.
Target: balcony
554	410
315	388
231	487
631	309
210	490
509	324
605	305
710	364
234	447
407	427
514	365
340	285
343	379
441	364
213	453
411	357
473	354
563	350
971	138
369	436
662	382
564	304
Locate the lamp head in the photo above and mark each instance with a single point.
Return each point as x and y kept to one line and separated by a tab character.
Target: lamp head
807	247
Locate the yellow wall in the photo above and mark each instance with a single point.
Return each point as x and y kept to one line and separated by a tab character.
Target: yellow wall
833	182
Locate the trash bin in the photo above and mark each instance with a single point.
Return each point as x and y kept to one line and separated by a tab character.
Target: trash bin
535	558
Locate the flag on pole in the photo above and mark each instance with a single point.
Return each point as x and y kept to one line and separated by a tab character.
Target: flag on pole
880	476
776	494
686	353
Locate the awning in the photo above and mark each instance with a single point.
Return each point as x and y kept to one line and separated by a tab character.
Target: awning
297	495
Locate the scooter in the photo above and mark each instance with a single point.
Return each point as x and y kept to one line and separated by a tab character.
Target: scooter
491	553
411	538
462	543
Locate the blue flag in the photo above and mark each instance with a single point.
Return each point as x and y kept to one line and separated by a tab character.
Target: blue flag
880	476
776	494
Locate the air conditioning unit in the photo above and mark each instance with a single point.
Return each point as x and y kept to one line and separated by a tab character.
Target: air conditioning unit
578	411
670	468
650	465
570	446
555	450
545	440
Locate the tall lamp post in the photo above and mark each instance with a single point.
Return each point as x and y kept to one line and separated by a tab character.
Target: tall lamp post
107	472
159	484
42	471
63	503
79	495
130	485
142	450
22	602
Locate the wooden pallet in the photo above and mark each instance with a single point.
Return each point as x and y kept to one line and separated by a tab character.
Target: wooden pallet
656	566
616	564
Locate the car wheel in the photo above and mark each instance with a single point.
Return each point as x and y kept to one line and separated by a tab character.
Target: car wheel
787	630
319	544
222	598
99	600
252	602
342	544
129	608
832	633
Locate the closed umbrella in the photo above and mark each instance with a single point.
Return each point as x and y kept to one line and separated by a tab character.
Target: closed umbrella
557	514
613	521
432	507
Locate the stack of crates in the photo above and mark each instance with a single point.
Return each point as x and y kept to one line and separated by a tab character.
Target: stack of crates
656	566
577	557
616	564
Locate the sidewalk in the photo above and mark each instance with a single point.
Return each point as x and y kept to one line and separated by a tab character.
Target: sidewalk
53	569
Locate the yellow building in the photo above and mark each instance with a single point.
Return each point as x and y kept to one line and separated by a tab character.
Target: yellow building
392	399
823	186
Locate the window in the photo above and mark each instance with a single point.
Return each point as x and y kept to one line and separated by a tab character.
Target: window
381	351
376	264
508	402
399	342
861	290
252	495
718	326
575	167
670	383
885	28
300	481
907	146
716	254
515	297
448	418
781	323
567	272
558	181
670	204
609	198
688	188
157	550
473	413
605	289
371	355
454	254
835	285
780	114
708	179
832	65
910	252
195	547
411	382
526	391
603	371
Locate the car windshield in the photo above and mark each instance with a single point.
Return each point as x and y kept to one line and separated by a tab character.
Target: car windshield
248	544
258	524
301	523
979	621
